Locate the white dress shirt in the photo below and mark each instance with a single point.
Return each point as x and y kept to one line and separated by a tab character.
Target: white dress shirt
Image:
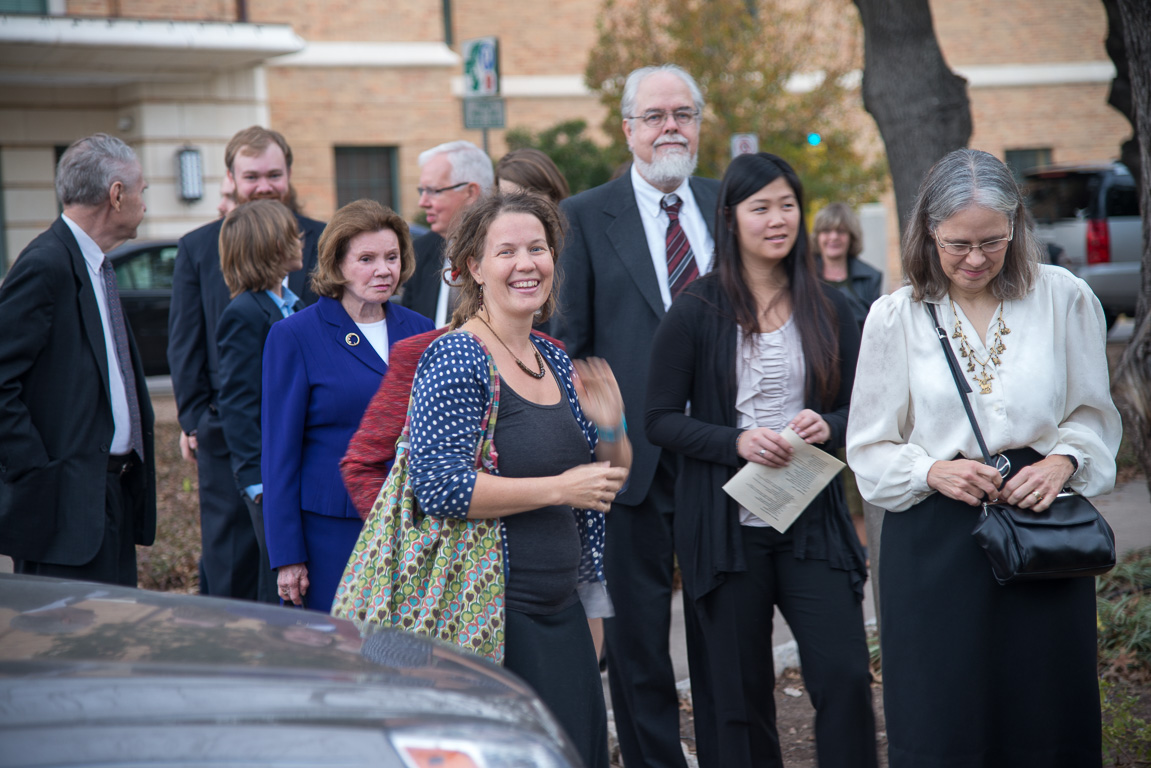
121	418
1050	392
655	222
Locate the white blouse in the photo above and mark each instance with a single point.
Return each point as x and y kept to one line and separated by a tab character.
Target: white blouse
770	374
1050	392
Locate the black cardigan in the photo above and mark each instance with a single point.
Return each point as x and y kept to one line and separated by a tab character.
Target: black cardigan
694	359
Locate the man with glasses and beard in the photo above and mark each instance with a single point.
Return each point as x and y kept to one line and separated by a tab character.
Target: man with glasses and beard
633	245
452	177
259	163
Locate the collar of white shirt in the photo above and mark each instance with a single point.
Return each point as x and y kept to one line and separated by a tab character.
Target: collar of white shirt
93	256
648	198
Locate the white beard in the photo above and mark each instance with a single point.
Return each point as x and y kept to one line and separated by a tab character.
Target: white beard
670	168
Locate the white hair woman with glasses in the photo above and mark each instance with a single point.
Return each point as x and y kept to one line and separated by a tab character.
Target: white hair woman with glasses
978	674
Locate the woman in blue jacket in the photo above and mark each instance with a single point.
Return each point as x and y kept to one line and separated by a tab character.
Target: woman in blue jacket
321	367
260	243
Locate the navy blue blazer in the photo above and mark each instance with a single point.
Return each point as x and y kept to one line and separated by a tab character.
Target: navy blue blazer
319	375
199	297
240	337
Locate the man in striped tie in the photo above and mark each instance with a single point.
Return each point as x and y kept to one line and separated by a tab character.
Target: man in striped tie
77	472
634	244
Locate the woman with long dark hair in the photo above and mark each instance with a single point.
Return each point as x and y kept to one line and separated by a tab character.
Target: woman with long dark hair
756	346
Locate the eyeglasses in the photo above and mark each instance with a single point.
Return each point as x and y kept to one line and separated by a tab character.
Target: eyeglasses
655	118
433	191
989	248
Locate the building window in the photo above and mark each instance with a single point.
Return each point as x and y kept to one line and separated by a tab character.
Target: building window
1020	160
37	7
367	172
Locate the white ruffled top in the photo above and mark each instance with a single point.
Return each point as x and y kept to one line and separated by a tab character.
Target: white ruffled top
770	373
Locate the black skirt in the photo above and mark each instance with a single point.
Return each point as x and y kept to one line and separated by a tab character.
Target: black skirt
976	674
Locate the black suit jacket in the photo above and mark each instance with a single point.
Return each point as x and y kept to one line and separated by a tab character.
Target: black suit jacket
694	360
199	296
240	337
422	290
55	411
610	304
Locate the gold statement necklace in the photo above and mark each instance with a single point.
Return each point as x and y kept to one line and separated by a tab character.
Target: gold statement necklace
994	349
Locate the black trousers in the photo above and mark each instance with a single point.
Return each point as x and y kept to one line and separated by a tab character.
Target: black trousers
554	654
639	563
266	590
735	717
230	554
115	561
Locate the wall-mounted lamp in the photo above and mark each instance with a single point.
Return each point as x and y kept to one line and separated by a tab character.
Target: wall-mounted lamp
191	174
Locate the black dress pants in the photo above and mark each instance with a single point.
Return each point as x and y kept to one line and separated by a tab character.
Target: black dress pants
737	664
639	564
115	561
230	554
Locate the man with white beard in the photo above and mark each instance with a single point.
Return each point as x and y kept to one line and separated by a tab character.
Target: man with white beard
633	245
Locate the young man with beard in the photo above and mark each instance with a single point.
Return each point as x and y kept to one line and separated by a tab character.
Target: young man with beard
633	245
259	163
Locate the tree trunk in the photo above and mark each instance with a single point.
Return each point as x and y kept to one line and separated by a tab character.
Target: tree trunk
1131	384
922	111
920	105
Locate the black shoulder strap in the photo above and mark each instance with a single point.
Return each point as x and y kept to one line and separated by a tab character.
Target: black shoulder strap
960	382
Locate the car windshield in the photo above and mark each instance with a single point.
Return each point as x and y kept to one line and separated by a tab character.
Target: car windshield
1060	195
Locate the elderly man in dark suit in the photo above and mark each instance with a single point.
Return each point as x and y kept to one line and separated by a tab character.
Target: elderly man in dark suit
259	163
452	177
633	245
77	472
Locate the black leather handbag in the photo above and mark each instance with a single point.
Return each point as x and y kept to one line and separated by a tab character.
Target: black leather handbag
1070	538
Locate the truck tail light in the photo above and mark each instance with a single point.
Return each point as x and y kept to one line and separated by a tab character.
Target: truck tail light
1098	242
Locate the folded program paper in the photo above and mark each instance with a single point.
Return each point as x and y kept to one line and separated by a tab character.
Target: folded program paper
778	495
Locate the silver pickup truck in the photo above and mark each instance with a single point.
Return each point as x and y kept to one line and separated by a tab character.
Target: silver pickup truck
1092	212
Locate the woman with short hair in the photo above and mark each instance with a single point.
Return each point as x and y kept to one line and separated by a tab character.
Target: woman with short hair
838	241
321	367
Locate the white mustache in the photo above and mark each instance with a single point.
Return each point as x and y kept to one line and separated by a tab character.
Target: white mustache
669	140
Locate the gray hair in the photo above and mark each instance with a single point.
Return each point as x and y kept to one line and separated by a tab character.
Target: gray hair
90	166
469	163
627	102
962	179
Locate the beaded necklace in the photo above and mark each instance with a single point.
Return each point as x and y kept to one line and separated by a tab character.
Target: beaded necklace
994	349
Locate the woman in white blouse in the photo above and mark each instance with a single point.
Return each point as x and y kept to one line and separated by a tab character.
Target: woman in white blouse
759	345
978	674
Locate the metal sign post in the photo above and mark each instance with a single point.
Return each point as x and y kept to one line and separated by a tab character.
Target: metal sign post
483	107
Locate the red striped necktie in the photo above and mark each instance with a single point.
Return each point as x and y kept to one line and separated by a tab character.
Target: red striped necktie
681	266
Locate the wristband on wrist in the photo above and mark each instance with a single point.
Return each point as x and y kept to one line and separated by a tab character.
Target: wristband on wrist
612	434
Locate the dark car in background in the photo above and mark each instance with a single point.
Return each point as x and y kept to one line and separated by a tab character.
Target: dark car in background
95	675
144	276
1092	212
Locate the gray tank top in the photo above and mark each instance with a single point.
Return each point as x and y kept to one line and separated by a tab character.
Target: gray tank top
543	545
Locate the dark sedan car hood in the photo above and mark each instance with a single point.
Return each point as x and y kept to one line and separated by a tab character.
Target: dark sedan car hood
105	667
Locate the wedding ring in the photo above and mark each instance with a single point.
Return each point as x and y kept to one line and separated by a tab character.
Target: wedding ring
1038	496
762	452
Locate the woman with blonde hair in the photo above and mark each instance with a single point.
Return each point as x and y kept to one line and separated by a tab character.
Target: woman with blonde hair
260	243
